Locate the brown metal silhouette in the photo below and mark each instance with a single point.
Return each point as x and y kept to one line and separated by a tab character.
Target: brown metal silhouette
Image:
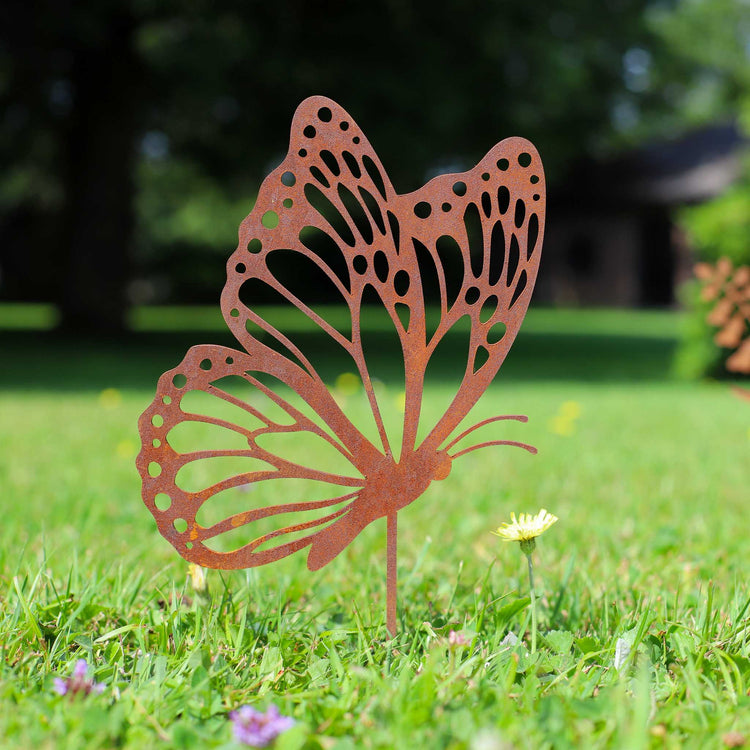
730	288
332	186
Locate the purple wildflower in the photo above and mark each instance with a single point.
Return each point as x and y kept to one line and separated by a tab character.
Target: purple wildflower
78	682
258	729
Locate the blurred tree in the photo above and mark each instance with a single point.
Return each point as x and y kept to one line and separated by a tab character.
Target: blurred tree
184	103
712	37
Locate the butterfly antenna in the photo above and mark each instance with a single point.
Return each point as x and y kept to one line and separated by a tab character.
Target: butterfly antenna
529	448
501	417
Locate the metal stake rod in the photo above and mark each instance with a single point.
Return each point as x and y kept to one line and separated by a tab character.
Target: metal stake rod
392	554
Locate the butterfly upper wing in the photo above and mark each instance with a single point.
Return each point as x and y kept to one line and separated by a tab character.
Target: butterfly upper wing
502	200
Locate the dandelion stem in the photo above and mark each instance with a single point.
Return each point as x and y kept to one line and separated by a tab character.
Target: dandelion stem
532	595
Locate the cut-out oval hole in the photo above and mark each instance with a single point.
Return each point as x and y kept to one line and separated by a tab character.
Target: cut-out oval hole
180	525
489	307
459	188
401	283
288	179
380	264
162	501
254	246
179	380
472	295
496	333
324	113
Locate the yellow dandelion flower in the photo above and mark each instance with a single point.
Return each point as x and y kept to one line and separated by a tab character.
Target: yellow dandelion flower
561	425
347	384
525	527
110	398
197	578
125	449
570	409
400	402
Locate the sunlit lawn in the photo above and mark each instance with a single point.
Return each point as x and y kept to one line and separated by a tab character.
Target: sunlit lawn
651	484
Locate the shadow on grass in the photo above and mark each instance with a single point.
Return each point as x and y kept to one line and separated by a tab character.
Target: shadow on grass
50	362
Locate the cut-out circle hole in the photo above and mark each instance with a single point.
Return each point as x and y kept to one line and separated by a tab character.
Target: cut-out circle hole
459	188
344	125
240	268
254	246
302	152
485	176
179	380
535	196
154	469
287	203
288	179
229	360
188	545
446	207
163	501
325	114
360	264
503	164
156	443
180	525
167	400
524	159
309	131
534	179
423	209
270	220
355	139
157	420
234	312
206	364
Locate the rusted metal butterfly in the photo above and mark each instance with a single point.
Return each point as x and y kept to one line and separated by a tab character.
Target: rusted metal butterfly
330	216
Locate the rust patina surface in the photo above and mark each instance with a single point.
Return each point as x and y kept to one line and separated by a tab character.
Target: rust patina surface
330	214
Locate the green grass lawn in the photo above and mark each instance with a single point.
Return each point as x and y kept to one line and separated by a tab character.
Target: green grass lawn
651	484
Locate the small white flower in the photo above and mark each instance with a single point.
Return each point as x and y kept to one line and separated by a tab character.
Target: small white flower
622	651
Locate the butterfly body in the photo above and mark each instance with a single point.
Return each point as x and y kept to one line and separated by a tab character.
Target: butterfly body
329	214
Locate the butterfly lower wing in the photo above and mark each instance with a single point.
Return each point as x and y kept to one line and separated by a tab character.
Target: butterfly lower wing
335	220
176	505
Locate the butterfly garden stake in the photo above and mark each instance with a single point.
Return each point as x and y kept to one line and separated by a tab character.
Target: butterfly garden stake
328	217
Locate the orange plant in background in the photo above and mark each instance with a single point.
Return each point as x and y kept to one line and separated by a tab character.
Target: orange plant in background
729	287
